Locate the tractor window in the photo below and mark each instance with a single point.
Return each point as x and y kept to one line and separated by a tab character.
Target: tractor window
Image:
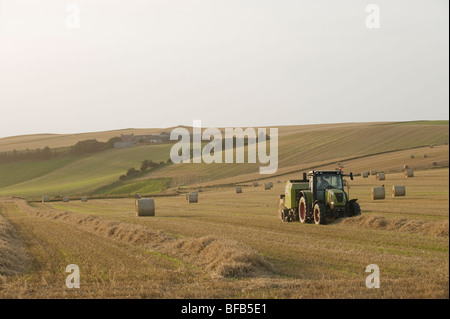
333	181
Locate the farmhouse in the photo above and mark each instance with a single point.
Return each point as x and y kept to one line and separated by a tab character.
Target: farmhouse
145	139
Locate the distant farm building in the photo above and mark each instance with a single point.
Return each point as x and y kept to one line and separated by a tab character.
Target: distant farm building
143	139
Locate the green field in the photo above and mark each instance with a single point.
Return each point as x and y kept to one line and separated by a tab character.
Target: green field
83	175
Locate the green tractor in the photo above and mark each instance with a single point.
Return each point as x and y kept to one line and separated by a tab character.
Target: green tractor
320	195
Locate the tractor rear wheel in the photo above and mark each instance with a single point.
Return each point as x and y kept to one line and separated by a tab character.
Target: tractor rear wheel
355	209
303	211
320	214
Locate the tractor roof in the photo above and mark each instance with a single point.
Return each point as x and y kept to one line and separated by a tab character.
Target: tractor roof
336	172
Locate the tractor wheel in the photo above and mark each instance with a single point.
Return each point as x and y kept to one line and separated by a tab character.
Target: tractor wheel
320	214
355	209
303	211
282	210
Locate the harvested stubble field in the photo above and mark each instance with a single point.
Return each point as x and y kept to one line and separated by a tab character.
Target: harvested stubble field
231	245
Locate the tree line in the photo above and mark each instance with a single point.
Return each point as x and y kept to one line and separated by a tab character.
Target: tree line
81	148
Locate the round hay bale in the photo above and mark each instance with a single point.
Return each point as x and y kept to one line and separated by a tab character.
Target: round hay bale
278	182
409	173
405	166
84	199
137	196
238	190
267	186
270	184
66	199
45	199
365	174
255	184
381	176
193	197
200	190
144	207
425	155
435	164
378	193
398	190
373	173
412	155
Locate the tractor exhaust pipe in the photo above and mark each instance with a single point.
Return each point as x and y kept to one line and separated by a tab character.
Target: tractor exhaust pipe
304	177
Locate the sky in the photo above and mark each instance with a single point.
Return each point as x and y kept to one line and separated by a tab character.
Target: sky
94	65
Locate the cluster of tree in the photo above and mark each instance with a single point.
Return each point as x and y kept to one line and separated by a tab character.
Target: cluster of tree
93	146
80	148
145	165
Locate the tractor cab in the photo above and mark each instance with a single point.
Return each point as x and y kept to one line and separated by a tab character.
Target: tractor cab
320	181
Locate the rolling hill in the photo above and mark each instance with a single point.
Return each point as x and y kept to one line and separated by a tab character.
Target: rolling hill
300	147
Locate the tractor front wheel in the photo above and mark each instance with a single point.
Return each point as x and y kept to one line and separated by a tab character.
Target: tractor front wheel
320	214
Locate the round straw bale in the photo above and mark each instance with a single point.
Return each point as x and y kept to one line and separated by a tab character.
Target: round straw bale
405	166
267	186
435	164
365	174
378	193
373	173
270	184
137	196
238	190
412	155
409	173
278	182
66	199
398	190
144	207
255	184
193	197
45	199
425	155
381	176
84	199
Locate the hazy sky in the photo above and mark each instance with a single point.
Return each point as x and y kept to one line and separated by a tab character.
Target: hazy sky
238	63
